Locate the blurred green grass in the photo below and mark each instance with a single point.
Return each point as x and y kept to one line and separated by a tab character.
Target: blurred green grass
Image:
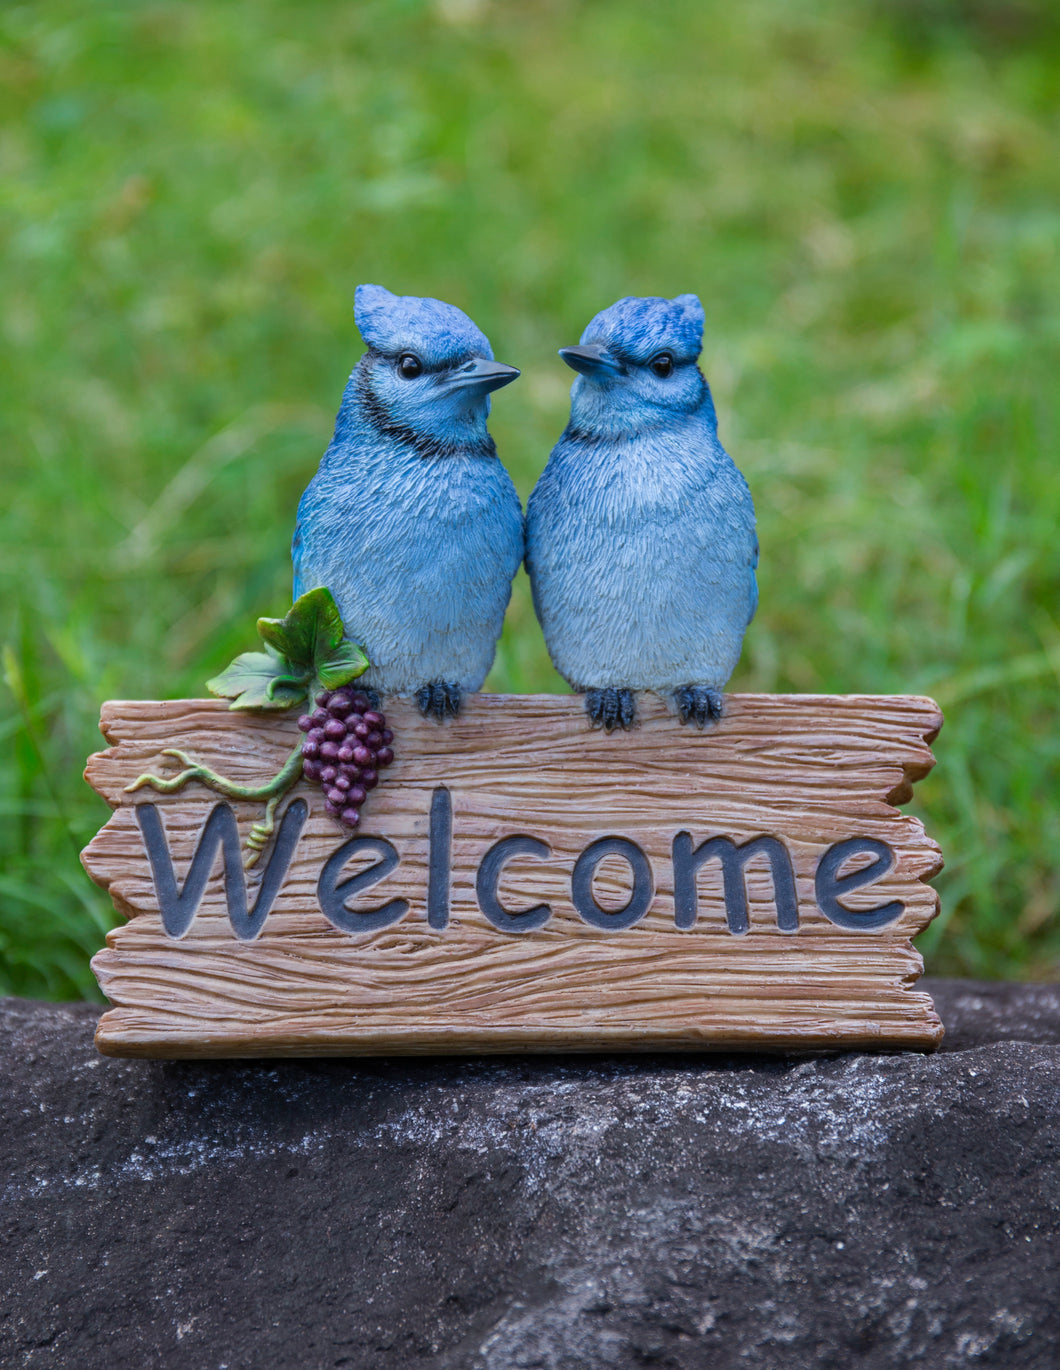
865	195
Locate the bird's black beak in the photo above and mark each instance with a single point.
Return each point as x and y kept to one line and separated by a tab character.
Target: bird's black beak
480	375
591	359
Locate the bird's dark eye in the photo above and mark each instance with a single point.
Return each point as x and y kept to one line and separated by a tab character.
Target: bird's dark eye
409	365
662	364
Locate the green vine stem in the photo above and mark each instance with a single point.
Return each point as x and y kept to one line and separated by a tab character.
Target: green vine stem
271	790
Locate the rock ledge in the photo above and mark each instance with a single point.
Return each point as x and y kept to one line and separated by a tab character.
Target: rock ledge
567	1214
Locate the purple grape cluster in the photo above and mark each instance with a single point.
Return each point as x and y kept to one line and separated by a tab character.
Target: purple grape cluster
347	744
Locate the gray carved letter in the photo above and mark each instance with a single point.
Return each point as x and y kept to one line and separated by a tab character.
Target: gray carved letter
829	886
581	885
734	859
489	873
179	907
333	893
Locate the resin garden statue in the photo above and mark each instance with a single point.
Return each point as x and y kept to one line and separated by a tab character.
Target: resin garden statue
310	863
412	522
641	541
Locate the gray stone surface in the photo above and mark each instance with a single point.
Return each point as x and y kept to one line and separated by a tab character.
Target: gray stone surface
855	1210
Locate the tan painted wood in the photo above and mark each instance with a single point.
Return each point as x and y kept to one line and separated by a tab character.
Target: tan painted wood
812	770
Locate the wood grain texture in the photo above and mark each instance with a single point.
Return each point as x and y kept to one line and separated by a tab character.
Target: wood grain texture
811	770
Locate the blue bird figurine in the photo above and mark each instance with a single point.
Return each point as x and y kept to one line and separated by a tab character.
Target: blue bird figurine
641	541
411	521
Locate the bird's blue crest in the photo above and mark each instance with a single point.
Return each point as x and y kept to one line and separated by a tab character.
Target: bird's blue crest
435	331
639	326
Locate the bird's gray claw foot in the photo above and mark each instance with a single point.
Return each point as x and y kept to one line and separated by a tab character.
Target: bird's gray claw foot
699	705
438	700
610	708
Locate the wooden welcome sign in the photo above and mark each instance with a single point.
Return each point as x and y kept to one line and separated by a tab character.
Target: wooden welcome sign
524	883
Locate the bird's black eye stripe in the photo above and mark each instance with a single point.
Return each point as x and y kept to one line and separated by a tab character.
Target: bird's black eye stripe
409	366
662	364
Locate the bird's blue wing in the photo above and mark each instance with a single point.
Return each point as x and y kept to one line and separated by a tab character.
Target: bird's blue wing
299	589
754	582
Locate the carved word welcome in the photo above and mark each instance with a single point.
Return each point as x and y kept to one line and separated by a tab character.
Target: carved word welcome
178	904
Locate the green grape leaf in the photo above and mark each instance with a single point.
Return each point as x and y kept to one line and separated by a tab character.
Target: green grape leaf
261	680
310	631
344	663
304	648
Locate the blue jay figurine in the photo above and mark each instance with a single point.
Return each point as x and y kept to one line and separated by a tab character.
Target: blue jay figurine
412	522
641	541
